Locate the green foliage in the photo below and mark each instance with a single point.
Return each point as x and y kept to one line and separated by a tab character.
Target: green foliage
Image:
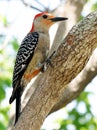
94	6
8	48
81	18
80	117
77	118
14	44
4	117
4	20
7	56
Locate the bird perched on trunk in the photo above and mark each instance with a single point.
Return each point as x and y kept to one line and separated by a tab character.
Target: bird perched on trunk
31	55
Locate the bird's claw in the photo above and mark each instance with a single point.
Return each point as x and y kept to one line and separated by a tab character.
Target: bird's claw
48	62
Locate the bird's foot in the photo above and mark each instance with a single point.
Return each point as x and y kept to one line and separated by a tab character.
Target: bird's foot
48	62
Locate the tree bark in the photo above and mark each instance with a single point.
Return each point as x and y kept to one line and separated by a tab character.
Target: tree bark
71	57
78	83
72	10
75	8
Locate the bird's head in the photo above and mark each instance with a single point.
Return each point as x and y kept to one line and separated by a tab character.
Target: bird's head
44	20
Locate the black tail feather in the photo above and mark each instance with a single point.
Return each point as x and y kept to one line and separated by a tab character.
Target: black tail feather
18	104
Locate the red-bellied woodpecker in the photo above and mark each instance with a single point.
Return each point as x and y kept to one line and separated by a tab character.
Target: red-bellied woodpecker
31	55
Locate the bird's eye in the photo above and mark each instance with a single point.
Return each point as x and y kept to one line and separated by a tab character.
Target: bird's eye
45	16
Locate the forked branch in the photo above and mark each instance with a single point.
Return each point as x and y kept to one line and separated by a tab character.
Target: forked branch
71	57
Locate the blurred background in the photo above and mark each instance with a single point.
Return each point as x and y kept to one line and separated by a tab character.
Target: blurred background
16	18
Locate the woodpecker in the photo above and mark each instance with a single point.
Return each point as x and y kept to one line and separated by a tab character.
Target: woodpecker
31	56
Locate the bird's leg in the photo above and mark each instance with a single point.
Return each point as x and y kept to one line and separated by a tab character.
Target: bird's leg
48	62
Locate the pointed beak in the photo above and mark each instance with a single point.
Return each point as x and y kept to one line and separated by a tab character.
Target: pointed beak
56	19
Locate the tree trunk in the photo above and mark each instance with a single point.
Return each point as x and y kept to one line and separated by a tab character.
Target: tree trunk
72	10
71	57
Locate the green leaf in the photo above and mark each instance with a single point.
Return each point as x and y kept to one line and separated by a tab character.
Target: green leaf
2	93
2	127
15	44
4	20
94	7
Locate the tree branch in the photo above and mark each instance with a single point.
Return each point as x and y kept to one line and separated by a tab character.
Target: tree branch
78	84
29	5
70	59
73	16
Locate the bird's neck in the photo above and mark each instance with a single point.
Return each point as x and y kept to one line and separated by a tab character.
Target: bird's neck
38	28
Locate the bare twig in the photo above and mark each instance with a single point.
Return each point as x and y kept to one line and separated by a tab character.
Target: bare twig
45	8
33	7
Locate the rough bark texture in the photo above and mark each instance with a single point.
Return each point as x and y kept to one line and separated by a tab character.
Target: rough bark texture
79	83
71	57
72	10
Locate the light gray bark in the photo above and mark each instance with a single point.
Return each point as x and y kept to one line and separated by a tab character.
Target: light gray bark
72	10
70	59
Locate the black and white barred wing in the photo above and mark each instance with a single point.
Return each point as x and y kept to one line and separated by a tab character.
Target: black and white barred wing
24	55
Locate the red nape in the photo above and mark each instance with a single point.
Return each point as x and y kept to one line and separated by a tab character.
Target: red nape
37	15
